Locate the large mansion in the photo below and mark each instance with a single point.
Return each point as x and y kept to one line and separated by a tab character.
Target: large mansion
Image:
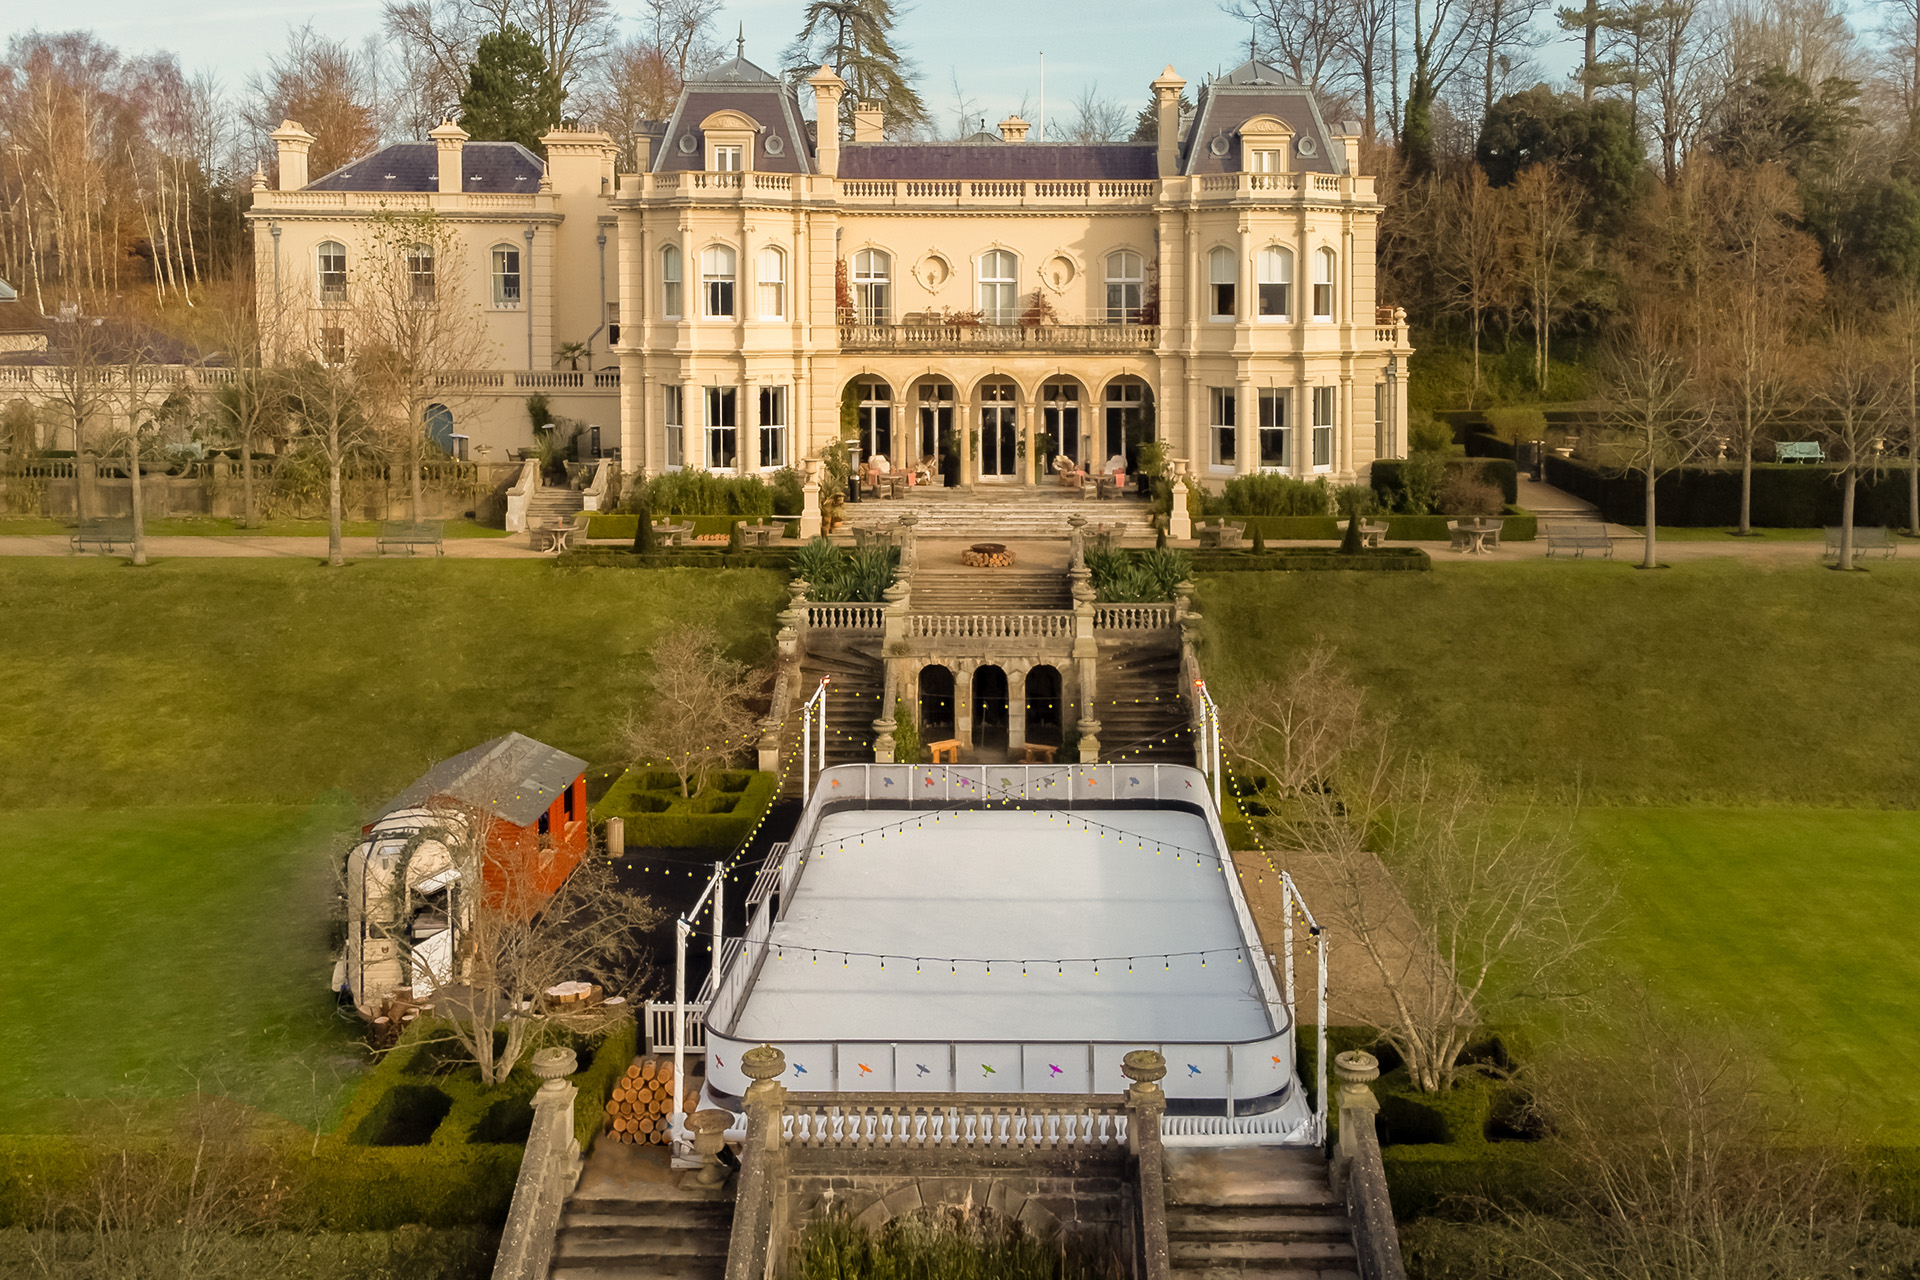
982	306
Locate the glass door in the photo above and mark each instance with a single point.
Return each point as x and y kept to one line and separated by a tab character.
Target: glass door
939	444
999	431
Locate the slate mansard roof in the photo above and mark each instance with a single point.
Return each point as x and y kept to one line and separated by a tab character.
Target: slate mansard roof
1209	138
512	776
503	168
784	145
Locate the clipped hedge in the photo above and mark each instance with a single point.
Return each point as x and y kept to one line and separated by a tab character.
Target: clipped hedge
1386	478
658	817
623	527
1382	560
1787	495
779	560
1519	526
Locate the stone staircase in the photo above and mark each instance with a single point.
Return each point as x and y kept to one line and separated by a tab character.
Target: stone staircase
644	1231
1001	515
852	660
989	591
553	502
1142	715
1236	1213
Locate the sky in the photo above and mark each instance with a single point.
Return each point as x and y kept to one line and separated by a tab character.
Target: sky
993	45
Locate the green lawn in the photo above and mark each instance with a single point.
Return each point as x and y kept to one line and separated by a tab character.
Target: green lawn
1716	681
166	735
1793	924
152	952
209	527
267	681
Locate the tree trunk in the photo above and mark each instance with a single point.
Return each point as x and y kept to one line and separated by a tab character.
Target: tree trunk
413	470
1746	487
247	512
1913	488
1846	518
336	554
1650	561
139	519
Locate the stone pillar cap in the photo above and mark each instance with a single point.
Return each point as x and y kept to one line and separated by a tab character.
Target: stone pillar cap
1356	1067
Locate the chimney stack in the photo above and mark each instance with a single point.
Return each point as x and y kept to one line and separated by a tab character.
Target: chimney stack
448	139
1014	129
1166	115
292	142
827	88
869	122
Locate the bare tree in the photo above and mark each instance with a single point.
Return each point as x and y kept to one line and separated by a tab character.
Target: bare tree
1546	223
1472	262
1853	389
432	43
327	401
1308	39
81	351
696	719
1442	37
1903	322
1097	119
1507	34
326	86
1464	908
1655	420
412	322
1765	273
1371	26
1676	1164
247	404
571	33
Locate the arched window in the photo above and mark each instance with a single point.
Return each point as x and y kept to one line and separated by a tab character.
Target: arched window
999	299
420	272
1276	283
1323	284
1126	287
716	280
773	284
332	257
1221	277
670	282
873	286
506	276
876	419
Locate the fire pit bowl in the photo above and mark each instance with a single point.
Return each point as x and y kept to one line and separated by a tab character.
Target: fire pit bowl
987	555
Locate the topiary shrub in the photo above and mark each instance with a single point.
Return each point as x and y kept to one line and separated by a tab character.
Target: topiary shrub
1463	495
906	734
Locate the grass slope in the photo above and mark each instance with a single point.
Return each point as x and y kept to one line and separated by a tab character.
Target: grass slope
263	681
153	952
1712	682
1790	923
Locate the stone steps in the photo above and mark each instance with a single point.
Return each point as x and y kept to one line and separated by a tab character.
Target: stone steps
1142	715
1246	1212
853	701
665	1232
995	591
1014	515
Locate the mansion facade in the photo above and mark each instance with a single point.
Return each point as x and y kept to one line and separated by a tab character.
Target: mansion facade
980	308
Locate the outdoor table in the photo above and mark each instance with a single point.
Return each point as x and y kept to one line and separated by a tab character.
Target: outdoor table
675	533
1209	535
762	534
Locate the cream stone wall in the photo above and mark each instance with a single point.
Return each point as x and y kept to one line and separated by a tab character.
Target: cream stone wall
1061	235
569	269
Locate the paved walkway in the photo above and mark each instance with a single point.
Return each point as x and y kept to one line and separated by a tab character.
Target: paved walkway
225	547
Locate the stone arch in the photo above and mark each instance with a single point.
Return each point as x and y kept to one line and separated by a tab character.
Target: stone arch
1043	696
1124	425
935	685
990	695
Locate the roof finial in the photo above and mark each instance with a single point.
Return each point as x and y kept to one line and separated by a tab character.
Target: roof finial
1253	48
740	43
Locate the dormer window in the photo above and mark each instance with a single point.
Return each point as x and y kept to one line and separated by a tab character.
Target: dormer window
727	159
1264	143
729	137
1265	160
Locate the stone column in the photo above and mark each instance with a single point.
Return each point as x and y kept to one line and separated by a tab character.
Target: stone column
1355	1070
810	500
963	703
1032	465
1246	427
1146	1103
220	496
1016	708
1343	428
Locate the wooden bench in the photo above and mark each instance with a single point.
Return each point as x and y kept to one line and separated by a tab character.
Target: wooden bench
411	535
1799	451
947	747
101	533
1578	538
1036	753
1865	539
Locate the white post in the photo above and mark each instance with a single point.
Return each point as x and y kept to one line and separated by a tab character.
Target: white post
1320	1059
680	930
719	887
822	695
1216	752
1286	908
806	752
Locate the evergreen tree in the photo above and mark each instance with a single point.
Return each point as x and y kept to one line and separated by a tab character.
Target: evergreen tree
855	38
512	95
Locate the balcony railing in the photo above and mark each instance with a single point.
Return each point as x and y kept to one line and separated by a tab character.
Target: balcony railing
969	193
998	337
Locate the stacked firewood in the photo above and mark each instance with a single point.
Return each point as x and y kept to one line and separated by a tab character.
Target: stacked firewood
637	1112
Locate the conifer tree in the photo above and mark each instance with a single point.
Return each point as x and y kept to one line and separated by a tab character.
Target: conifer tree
855	38
512	95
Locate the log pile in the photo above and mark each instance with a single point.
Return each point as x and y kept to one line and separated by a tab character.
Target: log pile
642	1099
